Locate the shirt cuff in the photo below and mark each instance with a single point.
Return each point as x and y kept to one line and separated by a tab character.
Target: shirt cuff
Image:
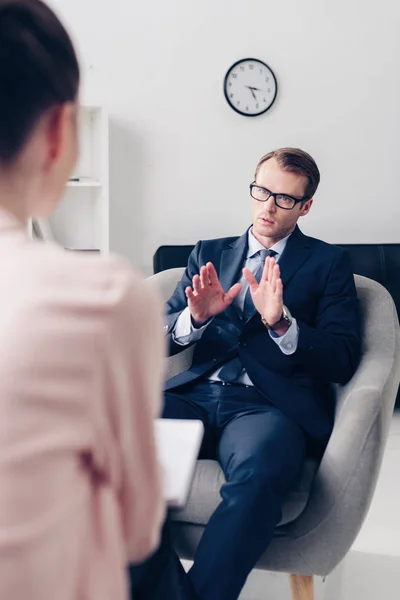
184	333
288	342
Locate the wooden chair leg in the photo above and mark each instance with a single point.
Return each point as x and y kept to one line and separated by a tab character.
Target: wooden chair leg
302	587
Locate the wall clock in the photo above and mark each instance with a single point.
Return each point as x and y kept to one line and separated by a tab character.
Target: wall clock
250	87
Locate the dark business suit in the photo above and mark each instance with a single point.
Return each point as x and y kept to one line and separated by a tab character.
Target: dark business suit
261	434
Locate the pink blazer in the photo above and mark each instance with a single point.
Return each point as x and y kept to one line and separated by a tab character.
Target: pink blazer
81	371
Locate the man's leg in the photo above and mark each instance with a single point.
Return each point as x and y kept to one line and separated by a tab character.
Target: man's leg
262	455
161	576
195	401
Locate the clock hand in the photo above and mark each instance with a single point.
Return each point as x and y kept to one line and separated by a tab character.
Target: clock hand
252	91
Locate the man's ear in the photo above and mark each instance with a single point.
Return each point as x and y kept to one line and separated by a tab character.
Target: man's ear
305	209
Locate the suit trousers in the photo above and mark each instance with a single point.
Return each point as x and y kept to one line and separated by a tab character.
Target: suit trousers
261	452
161	576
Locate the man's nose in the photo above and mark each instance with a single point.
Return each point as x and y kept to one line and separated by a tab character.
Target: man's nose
269	205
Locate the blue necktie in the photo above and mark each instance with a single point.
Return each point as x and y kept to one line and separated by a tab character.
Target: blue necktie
232	369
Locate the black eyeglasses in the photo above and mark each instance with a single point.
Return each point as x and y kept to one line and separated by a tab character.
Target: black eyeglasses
282	200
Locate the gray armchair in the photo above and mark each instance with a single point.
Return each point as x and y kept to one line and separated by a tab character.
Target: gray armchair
324	514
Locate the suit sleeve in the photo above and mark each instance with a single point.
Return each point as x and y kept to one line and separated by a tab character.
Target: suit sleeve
178	301
331	349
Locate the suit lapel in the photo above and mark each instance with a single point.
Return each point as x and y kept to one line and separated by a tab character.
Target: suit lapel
232	261
297	251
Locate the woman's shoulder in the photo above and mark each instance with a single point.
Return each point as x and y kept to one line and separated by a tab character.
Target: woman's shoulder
107	280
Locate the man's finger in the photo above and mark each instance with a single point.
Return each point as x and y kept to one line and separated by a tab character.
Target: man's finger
212	273
276	273
196	285
279	289
251	280
271	264
204	278
264	276
233	292
189	293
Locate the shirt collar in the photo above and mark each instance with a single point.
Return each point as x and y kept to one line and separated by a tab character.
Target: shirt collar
255	246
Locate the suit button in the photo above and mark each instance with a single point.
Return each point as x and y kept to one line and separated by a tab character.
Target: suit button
166	328
214	360
289	346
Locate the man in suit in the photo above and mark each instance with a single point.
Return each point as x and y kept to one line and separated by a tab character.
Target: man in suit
275	318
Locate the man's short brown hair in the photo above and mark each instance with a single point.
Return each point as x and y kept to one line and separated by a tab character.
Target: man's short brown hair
295	160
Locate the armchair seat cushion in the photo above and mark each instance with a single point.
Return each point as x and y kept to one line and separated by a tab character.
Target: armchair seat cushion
204	496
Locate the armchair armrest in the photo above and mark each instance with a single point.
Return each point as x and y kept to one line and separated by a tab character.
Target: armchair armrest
346	479
165	282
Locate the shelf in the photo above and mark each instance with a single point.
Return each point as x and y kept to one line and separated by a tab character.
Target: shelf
84	183
81	220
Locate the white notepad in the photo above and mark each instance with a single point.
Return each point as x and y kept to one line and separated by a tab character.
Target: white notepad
178	444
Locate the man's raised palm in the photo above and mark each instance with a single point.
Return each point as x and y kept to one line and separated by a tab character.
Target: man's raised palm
268	294
207	298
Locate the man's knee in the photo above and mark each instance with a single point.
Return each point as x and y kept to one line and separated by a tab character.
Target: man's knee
264	474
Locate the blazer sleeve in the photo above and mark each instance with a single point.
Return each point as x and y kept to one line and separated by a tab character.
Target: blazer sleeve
135	366
331	349
178	301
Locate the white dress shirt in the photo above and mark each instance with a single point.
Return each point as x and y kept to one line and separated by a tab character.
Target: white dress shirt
184	333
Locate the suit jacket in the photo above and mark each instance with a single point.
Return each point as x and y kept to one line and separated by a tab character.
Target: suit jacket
320	293
81	374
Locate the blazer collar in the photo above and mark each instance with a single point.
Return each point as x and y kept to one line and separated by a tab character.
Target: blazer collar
297	251
232	260
233	257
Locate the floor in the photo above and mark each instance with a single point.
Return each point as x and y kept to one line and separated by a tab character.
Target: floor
369	572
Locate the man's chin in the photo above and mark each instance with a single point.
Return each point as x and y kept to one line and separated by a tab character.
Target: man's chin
266	229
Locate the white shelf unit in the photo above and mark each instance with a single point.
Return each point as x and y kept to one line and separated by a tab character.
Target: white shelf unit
81	221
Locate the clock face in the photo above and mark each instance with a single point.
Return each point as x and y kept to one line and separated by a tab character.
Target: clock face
250	87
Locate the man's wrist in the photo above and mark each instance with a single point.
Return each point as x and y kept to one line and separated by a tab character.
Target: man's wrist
281	326
198	324
280	330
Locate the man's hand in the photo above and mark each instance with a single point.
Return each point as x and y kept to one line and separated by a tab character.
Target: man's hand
268	294
207	298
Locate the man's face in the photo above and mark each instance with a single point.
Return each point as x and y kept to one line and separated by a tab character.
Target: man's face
271	223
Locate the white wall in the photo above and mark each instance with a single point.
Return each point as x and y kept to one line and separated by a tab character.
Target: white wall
181	159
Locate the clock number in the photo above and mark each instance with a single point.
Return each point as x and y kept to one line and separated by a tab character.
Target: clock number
242	68
264	100
257	105
234	75
247	108
232	95
251	67
238	102
267	79
269	90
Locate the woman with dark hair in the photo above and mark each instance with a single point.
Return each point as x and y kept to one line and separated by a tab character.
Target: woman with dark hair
81	348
